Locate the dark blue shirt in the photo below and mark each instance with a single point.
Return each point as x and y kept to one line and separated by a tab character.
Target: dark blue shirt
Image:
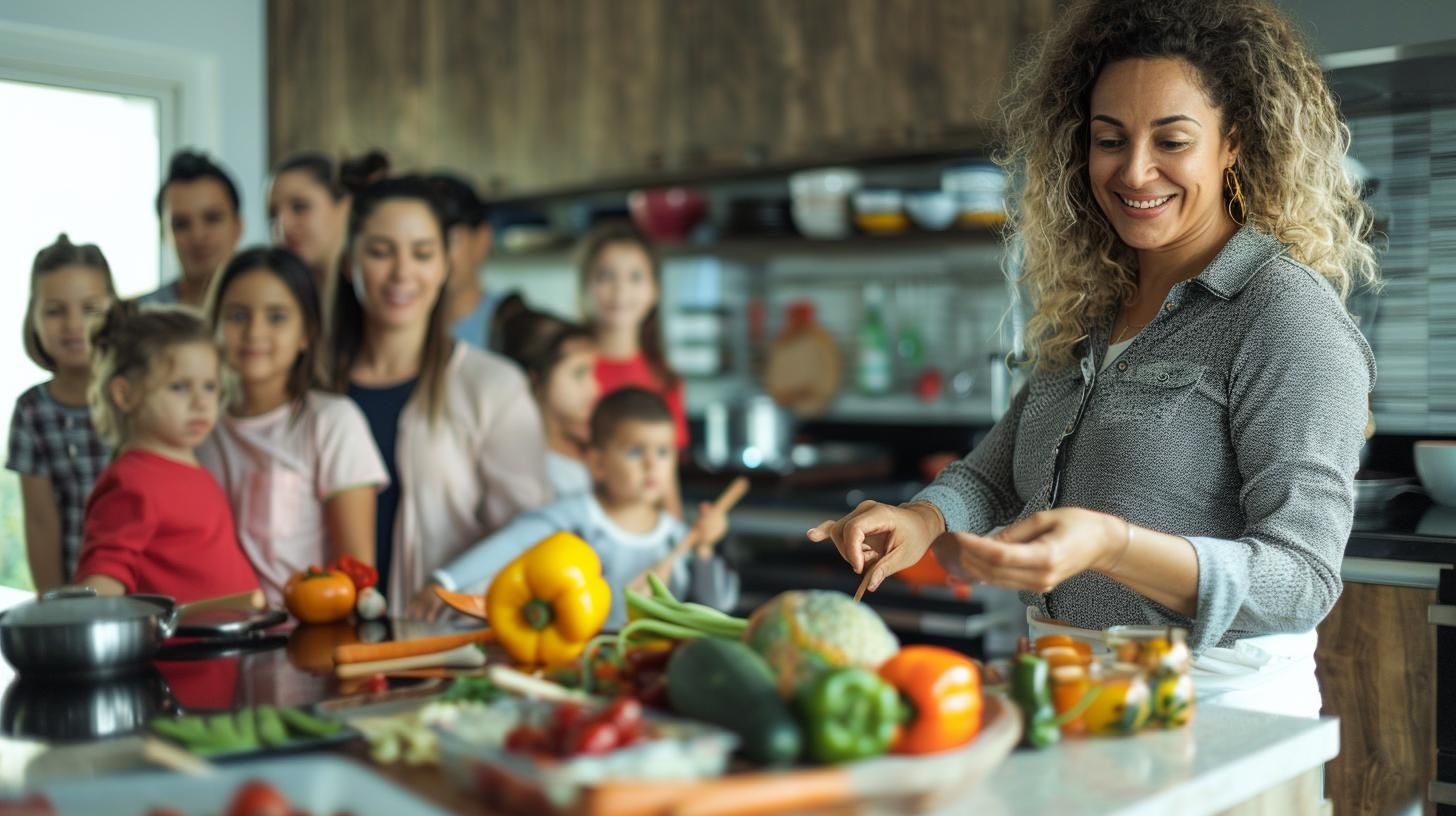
382	407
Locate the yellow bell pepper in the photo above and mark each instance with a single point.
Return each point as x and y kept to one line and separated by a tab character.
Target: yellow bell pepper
547	604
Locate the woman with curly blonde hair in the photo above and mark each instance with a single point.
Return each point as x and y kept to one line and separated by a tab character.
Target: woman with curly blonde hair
1184	450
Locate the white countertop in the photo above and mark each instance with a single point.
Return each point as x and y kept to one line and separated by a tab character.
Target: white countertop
1224	757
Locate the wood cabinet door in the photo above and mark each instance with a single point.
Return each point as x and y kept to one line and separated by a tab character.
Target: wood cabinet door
1376	663
552	94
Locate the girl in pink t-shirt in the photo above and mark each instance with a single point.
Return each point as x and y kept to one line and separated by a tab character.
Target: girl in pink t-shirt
298	465
156	521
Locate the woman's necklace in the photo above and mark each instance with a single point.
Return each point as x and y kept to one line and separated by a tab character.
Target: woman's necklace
1128	331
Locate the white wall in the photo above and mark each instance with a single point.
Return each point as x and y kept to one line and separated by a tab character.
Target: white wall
231	33
1349	25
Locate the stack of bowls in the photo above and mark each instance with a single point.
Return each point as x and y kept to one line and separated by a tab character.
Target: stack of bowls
980	192
820	201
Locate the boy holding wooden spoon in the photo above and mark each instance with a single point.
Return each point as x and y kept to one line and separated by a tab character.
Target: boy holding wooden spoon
632	459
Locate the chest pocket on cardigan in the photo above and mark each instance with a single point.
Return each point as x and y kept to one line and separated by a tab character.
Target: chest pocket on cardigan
1150	392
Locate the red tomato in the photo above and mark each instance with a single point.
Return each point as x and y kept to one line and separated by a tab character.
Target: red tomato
626	714
376	684
258	798
526	739
594	738
567	716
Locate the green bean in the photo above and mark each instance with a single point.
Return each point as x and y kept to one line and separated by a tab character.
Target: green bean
659	589
270	726
660	628
247	727
714	624
186	730
312	726
704	609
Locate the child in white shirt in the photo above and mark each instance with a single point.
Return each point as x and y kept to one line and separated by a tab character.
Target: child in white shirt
633	461
299	465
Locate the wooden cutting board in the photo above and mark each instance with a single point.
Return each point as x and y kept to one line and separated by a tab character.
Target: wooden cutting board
803	370
889	785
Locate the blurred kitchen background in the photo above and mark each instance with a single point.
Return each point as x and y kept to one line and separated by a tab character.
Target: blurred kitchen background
815	174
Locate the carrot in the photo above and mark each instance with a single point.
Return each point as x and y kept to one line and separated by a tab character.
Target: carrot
362	652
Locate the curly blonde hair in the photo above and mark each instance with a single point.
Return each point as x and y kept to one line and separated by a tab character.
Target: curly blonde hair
1256	69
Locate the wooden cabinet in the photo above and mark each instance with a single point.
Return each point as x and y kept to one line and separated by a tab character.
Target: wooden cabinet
538	95
1377	671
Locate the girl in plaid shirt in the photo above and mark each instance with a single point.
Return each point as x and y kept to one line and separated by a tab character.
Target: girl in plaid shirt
53	446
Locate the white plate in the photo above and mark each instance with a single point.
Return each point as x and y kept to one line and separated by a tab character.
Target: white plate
322	785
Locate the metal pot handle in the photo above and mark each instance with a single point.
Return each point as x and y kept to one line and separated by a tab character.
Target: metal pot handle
69	592
167	623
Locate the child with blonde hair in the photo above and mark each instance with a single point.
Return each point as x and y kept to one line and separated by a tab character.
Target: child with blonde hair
53	446
157	521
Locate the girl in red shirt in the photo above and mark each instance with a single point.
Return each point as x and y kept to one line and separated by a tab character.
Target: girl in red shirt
157	521
621	291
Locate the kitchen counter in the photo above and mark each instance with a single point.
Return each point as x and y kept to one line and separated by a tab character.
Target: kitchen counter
1223	758
1226	757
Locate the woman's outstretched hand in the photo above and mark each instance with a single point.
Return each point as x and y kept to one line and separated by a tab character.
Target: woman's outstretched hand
882	537
1039	552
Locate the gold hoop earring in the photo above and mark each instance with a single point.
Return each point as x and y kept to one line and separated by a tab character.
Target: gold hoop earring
1235	196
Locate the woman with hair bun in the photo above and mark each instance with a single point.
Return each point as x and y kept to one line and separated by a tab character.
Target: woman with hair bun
1185	447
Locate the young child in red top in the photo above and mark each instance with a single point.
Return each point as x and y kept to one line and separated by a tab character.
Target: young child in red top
157	521
621	287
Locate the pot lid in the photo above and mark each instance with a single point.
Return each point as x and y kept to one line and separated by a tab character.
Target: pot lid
72	605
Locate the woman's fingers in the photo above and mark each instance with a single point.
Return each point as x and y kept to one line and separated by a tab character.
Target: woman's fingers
1029	528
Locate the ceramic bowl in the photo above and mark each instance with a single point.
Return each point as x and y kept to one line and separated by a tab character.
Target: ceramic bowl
1436	466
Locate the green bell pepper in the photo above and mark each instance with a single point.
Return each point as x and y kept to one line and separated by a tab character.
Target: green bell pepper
850	714
1031	690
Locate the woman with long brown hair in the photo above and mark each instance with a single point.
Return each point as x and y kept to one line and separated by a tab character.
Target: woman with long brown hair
1184	450
459	432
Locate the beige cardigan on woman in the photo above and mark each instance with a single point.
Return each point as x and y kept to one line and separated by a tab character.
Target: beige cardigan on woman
477	466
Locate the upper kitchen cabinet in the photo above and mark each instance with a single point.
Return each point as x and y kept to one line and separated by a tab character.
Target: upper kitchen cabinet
567	95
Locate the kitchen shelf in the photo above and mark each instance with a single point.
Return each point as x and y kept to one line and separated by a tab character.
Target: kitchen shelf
772	247
895	409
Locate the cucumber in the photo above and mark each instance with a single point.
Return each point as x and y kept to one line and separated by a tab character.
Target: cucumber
725	683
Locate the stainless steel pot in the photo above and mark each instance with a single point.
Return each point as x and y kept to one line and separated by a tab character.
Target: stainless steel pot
751	433
48	708
73	631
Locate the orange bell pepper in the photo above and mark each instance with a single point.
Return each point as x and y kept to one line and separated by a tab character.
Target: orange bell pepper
942	689
548	603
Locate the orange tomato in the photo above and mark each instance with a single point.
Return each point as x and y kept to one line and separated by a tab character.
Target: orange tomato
1063	656
319	596
311	646
1069	685
1049	641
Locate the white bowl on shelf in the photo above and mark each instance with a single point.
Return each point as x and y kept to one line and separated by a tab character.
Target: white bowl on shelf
931	209
1436	467
819	201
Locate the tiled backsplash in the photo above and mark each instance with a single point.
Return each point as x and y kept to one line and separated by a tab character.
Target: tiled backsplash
1412	323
